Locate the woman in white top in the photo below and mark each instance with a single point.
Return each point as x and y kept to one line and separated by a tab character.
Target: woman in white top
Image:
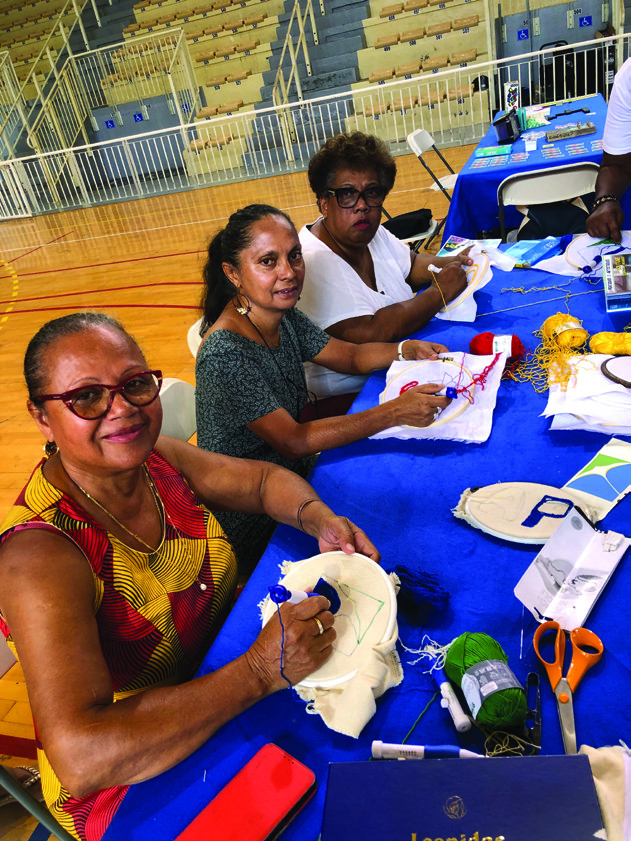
361	281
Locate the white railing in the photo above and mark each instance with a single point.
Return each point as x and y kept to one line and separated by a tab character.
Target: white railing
295	47
153	65
42	70
12	105
455	106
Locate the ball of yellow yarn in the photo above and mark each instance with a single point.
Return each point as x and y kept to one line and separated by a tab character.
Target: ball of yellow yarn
565	330
618	344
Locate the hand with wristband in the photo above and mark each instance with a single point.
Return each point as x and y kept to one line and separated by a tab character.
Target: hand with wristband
606	218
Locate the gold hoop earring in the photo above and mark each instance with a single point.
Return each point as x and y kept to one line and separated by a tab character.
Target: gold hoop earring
242	309
50	448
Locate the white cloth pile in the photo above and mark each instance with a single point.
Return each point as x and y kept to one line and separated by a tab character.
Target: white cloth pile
591	401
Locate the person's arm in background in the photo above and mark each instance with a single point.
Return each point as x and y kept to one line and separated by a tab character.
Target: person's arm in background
613	180
607	218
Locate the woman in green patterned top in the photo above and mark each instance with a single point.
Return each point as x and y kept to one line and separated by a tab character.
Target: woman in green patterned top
251	388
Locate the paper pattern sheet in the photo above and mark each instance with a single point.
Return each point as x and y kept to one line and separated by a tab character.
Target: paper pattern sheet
570	572
606	479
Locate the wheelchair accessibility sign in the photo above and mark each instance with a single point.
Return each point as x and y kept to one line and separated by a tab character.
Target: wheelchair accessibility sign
585	20
522	34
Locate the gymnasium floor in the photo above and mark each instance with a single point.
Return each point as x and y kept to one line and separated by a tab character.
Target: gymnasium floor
140	261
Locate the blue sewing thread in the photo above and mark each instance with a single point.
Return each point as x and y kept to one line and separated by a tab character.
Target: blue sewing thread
279	594
282	644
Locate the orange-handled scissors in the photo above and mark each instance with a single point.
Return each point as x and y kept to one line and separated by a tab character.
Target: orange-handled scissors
564	687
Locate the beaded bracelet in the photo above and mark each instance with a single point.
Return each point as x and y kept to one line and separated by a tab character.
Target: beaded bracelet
604	200
302	507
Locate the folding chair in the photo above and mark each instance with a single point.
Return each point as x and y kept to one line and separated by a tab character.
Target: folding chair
32	805
543	186
178	409
193	338
421	141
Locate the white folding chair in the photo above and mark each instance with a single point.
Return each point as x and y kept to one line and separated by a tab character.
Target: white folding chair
543	186
421	141
193	338
178	408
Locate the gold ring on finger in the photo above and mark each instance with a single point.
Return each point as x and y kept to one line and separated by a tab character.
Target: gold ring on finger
319	624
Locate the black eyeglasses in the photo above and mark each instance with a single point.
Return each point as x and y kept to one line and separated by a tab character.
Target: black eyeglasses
348	197
93	401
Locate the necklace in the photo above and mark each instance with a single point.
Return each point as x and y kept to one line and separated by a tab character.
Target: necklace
311	397
159	508
162	513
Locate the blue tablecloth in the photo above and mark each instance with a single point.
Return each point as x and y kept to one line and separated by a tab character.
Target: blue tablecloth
474	202
402	494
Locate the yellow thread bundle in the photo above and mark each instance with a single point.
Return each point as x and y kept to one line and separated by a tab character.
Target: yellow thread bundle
618	344
562	336
564	330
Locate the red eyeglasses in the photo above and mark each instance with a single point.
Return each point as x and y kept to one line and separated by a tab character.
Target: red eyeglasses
93	401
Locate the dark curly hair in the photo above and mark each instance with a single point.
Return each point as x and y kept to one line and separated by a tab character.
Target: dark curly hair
356	151
226	247
59	328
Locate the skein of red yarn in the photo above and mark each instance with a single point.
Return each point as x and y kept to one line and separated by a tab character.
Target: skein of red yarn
485	344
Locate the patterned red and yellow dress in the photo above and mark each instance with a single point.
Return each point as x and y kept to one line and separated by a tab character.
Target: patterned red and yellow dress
156	612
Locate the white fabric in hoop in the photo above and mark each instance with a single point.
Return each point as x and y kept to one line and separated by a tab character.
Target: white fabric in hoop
464	307
522	512
364	662
461	420
581	253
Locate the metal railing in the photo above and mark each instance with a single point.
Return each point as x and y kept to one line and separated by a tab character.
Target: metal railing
141	68
456	106
12	105
42	70
295	48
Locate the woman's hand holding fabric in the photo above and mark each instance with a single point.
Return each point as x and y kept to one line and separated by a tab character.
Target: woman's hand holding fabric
305	647
463	259
452	280
606	221
417	349
339	533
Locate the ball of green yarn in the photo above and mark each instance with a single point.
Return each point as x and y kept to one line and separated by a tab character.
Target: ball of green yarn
506	708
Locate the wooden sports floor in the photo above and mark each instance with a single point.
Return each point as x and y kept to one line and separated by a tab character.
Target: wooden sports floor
140	261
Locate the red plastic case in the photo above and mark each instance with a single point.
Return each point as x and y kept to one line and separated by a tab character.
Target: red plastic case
258	803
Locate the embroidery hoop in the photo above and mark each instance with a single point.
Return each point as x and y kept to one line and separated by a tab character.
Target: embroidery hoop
609	367
452	411
502	509
571	252
361	623
480	260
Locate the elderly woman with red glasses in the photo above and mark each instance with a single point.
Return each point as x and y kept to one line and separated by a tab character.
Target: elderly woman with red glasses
361	282
115	576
